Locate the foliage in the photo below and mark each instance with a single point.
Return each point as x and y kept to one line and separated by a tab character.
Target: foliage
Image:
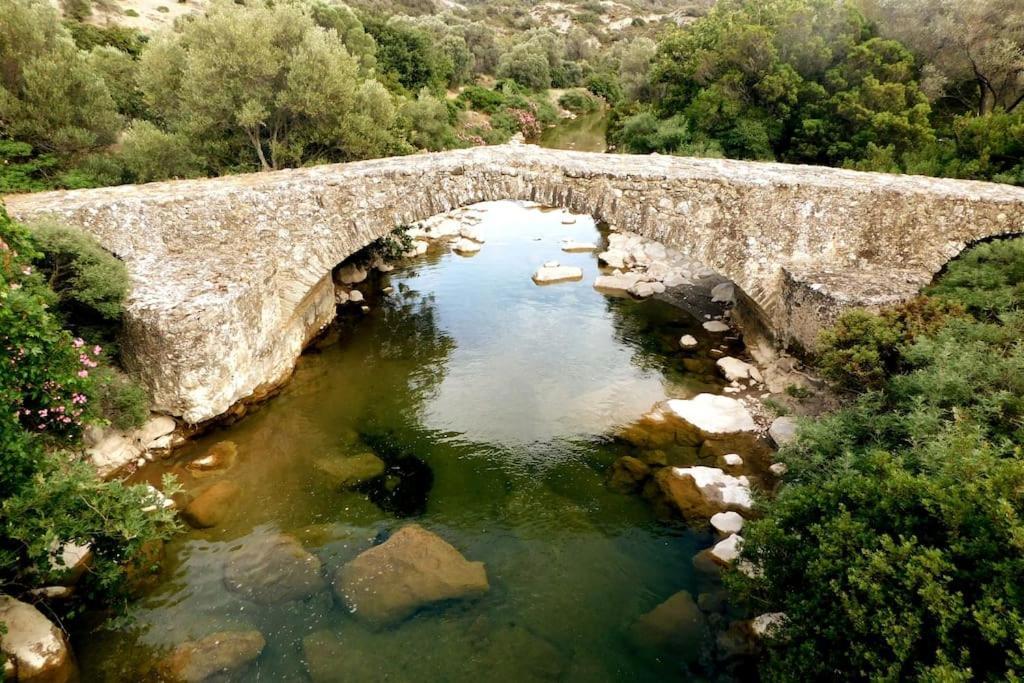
266	84
21	170
49	497
149	153
894	546
408	56
50	98
90	283
862	350
579	101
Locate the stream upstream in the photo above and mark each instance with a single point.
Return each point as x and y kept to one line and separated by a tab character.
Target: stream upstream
493	403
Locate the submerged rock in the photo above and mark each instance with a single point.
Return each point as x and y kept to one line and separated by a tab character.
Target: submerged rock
350	470
628	473
219	458
37	649
412	569
274	568
676	625
700	492
218	653
548	273
212	505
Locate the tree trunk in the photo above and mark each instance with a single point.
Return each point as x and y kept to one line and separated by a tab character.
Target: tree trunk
254	136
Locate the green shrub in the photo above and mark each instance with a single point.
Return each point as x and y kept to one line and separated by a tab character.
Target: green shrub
894	546
151	154
862	350
131	12
579	101
48	497
90	283
987	280
119	400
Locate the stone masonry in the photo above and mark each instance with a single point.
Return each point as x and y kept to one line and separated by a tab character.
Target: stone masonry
231	276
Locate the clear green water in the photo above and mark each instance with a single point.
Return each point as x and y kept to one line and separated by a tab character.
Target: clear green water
585	133
497	399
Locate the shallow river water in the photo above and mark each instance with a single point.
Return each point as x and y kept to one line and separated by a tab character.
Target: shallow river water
493	402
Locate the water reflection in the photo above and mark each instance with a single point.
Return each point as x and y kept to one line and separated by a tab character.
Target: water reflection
490	401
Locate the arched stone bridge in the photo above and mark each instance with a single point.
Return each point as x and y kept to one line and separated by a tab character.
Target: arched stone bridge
232	275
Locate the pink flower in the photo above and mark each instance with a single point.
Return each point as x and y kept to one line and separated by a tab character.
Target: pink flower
96	350
78	342
83	373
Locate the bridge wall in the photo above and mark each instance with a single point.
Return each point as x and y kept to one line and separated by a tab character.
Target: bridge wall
231	275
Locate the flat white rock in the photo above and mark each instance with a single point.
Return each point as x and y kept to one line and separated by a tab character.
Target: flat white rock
620	282
550	274
578	246
466	246
716	326
713	414
735	369
727	522
688	341
727	550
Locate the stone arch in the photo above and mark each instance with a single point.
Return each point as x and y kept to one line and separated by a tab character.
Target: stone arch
229	273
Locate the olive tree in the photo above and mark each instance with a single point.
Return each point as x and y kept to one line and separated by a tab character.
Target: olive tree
261	83
974	43
50	96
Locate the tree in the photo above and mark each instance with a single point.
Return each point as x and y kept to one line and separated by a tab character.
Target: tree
974	48
262	78
50	96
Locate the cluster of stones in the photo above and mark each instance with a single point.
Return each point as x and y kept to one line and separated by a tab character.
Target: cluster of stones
454	228
643	267
381	587
720	433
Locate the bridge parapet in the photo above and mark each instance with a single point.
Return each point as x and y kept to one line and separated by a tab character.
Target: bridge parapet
231	275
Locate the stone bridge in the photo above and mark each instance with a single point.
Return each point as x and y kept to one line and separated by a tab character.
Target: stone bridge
231	276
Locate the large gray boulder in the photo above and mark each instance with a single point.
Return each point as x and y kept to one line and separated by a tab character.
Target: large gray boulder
36	648
412	569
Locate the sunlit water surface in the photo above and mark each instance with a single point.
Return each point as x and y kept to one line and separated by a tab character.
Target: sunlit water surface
503	396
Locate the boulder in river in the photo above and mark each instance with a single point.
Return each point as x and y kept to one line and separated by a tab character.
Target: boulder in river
210	507
700	492
716	326
35	647
688	342
710	416
573	246
273	568
617	282
628	473
220	457
552	272
726	523
226	652
466	246
350	470
676	625
412	569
